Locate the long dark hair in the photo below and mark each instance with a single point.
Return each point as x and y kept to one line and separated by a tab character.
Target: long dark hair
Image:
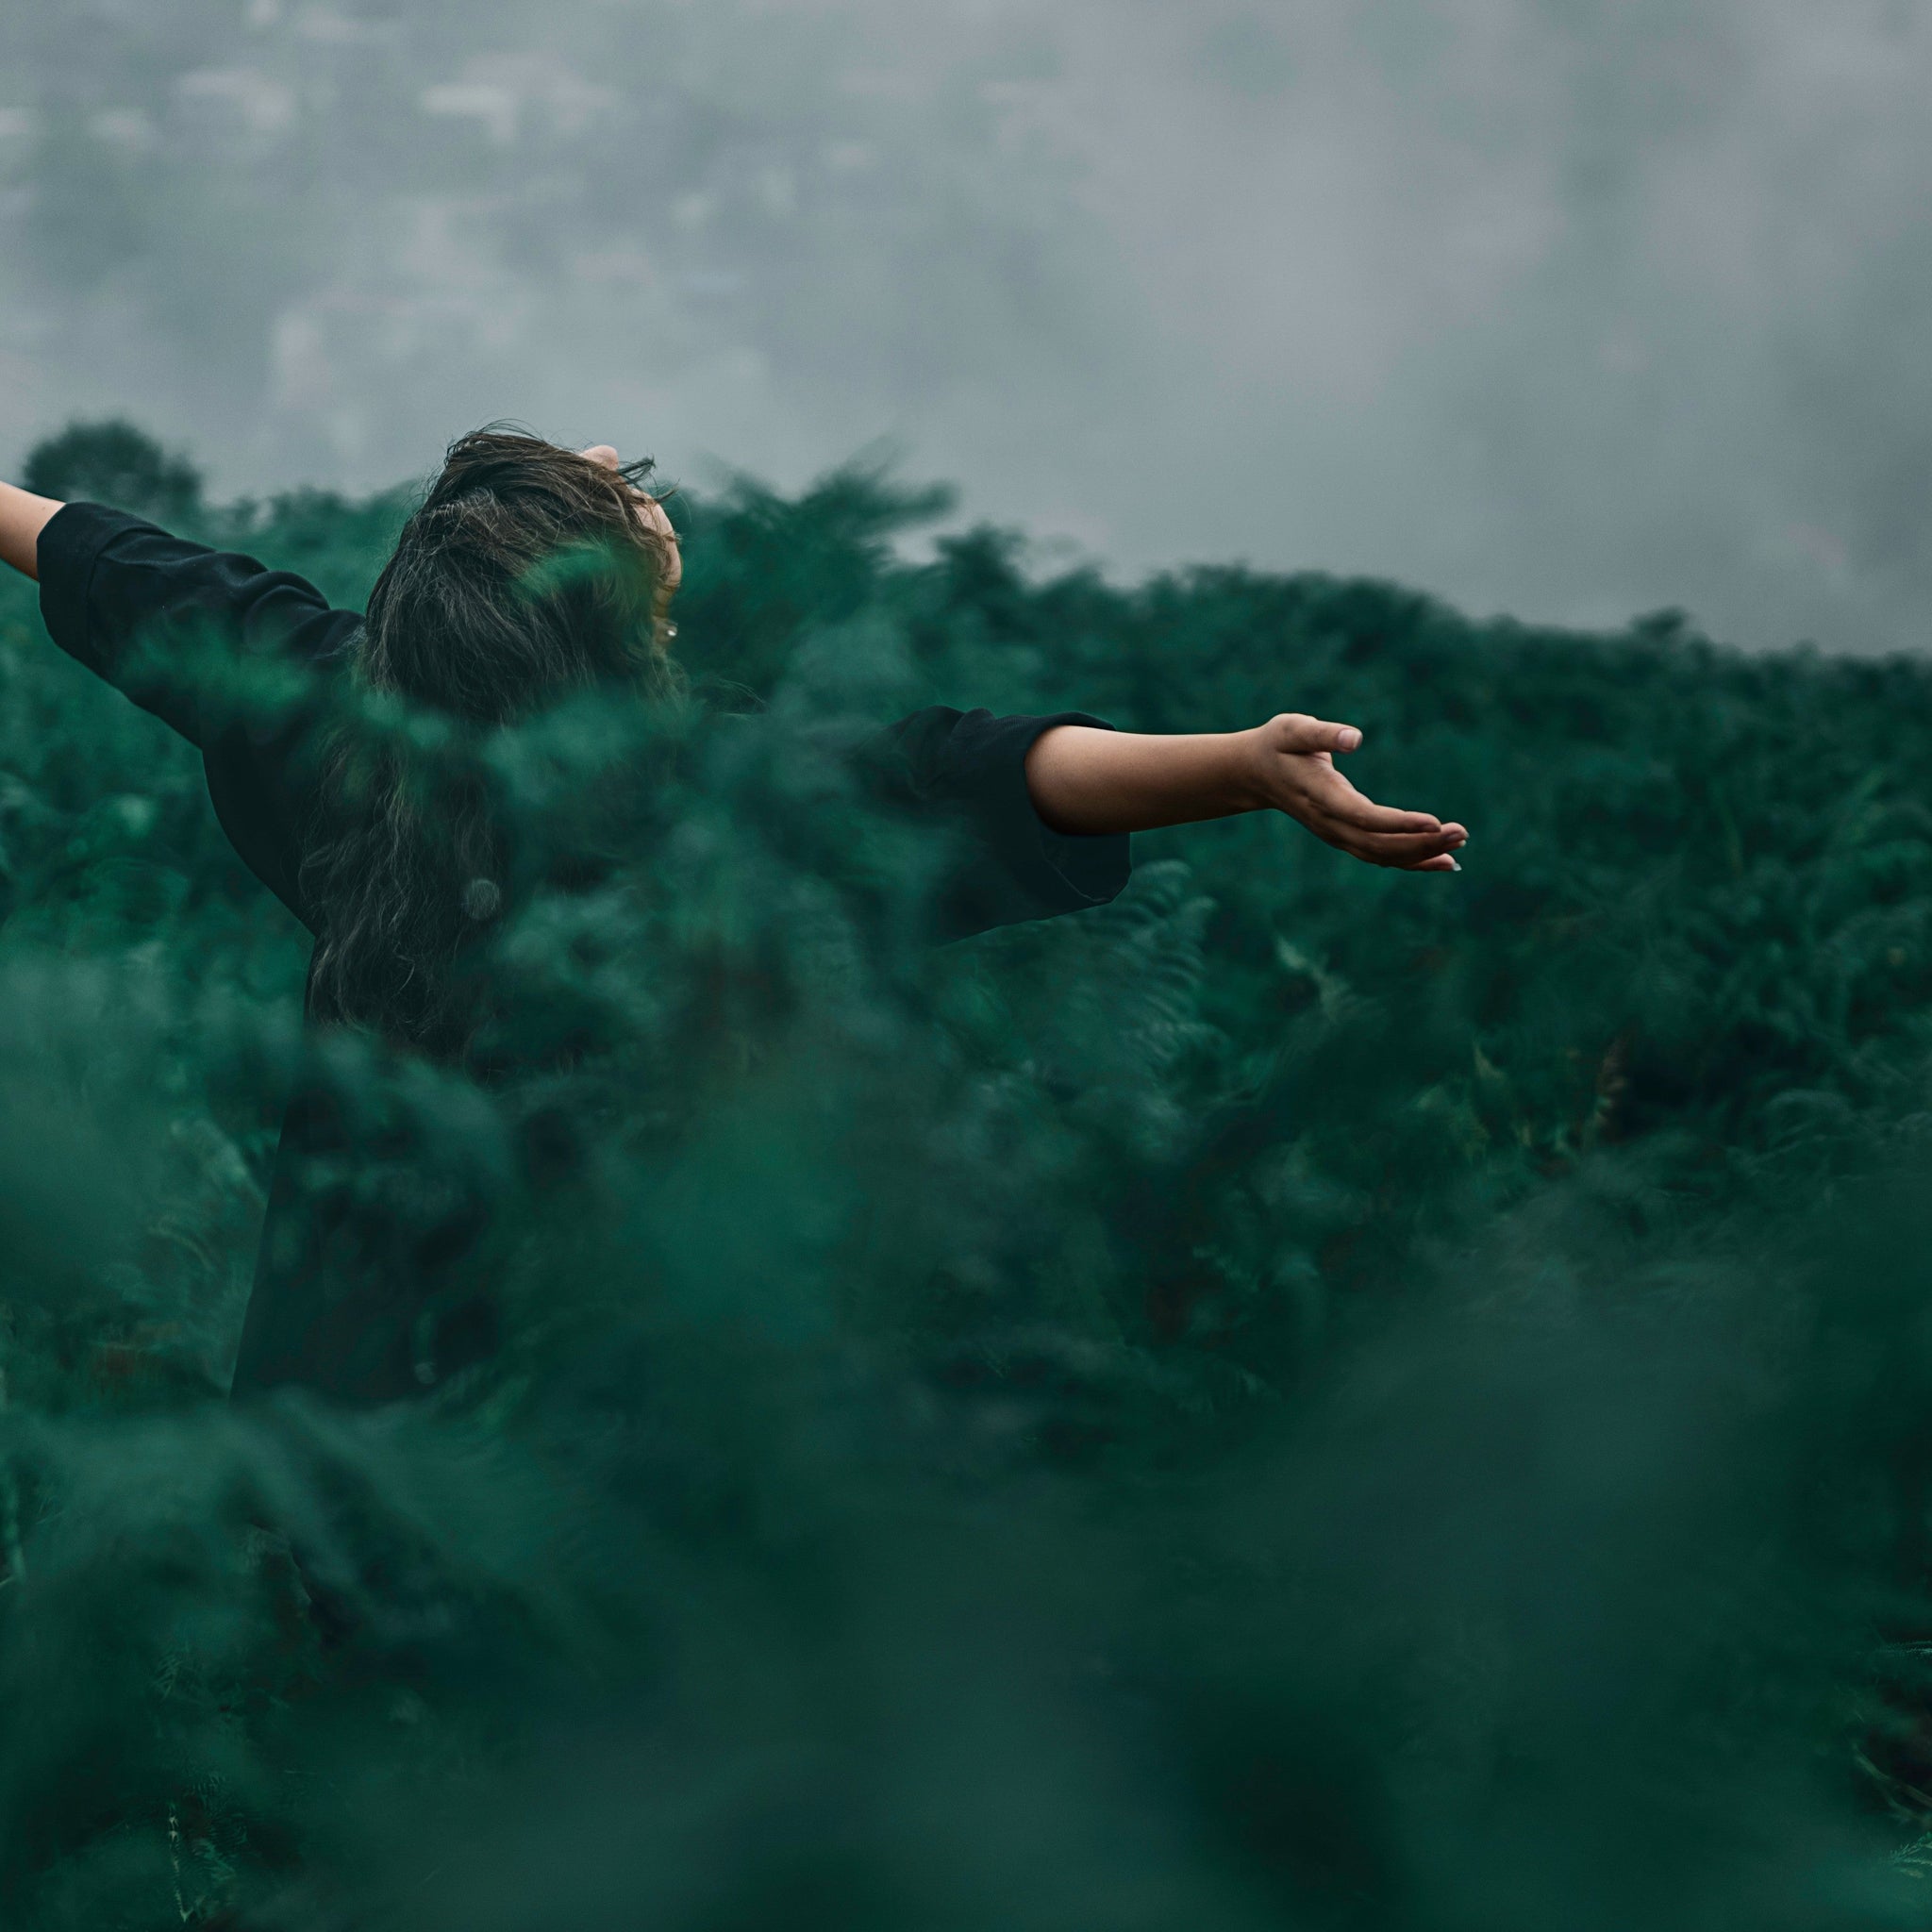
525	574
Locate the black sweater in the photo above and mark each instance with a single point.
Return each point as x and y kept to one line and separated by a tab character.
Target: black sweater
340	1297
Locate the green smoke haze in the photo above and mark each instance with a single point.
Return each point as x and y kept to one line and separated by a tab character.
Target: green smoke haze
1308	1396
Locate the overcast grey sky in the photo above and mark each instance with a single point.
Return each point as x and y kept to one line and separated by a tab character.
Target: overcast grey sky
1569	307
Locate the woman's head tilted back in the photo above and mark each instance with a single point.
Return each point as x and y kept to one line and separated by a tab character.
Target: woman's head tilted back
529	572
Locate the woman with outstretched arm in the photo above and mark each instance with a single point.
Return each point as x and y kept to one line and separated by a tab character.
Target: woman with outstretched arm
1046	803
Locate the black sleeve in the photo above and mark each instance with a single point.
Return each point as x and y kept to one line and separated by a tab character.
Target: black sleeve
970	768
153	615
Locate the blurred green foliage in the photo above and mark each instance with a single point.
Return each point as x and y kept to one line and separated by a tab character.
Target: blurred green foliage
1309	1396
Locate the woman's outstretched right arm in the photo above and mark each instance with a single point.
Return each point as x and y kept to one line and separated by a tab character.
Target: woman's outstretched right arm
22	517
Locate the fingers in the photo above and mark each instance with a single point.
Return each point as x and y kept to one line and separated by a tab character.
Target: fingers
1403	852
1408	852
1363	815
1342	817
1335	799
601	453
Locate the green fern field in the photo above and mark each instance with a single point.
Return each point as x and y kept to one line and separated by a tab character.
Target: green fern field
1307	1397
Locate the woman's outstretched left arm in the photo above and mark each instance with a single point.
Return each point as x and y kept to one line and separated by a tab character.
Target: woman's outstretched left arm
1084	780
166	622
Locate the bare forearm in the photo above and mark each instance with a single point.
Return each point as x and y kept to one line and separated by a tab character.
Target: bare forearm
22	517
1088	781
1092	781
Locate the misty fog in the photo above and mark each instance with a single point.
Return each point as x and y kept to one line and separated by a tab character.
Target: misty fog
1574	309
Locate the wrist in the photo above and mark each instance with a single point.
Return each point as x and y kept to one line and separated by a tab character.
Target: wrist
1244	768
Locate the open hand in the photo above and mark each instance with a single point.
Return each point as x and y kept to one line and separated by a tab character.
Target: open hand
1292	769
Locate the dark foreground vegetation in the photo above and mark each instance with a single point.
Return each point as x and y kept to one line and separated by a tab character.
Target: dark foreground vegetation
1310	1397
